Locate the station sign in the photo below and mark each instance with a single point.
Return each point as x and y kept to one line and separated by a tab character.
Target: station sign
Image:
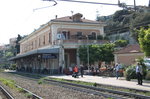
49	56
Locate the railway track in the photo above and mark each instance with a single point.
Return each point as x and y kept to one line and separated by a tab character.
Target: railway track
4	94
108	93
33	96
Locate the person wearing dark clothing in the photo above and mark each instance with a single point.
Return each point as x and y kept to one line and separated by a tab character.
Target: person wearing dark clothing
82	70
139	73
60	69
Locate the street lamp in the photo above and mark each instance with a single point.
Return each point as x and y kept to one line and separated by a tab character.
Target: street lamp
88	54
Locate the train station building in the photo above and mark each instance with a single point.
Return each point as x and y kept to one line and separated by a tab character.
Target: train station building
54	46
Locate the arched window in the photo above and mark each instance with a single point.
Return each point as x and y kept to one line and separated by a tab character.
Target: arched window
93	35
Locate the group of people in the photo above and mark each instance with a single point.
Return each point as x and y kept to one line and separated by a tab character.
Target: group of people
76	71
139	72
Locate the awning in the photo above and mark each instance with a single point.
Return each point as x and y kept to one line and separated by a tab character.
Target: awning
37	51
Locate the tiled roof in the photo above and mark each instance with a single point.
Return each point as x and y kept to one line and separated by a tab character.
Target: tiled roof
135	48
69	19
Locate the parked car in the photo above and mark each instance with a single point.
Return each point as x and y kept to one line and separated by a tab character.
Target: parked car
147	63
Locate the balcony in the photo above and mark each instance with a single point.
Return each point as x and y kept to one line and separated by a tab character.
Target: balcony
79	41
76	40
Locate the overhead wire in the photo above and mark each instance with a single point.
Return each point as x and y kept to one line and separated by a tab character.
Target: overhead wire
55	3
78	1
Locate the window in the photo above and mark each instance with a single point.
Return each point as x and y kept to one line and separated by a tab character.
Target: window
79	33
66	34
44	39
93	35
49	37
39	42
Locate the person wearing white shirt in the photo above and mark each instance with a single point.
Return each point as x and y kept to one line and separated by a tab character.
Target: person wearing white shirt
139	73
117	70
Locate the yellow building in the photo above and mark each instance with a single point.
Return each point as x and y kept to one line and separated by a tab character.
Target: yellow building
55	44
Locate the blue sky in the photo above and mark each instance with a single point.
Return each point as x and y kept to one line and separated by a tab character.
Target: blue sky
20	16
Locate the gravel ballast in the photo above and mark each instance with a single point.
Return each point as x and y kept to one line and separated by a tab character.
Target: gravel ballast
46	91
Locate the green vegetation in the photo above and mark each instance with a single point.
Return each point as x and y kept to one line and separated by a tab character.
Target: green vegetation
102	86
71	81
41	80
121	43
13	67
4	56
97	53
141	61
21	90
126	20
140	20
29	95
11	84
147	75
130	70
7	82
130	73
144	40
17	44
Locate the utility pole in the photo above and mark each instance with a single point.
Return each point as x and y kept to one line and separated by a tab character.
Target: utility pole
135	5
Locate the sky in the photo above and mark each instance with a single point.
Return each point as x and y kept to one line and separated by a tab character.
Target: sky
23	16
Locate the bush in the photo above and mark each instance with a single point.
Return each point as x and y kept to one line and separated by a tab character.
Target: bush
121	43
147	76
141	61
13	67
130	73
100	37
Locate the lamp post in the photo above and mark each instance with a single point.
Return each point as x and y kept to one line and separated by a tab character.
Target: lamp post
88	54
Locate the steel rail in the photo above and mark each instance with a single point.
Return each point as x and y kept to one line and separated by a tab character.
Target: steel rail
34	96
88	90
137	96
6	93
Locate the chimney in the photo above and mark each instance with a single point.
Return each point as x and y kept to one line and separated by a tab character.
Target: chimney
77	17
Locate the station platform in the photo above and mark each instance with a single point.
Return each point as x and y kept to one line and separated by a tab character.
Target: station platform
121	82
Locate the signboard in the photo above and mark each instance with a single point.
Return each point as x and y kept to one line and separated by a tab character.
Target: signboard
49	56
60	37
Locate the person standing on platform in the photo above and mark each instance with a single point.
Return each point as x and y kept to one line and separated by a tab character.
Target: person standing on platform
139	73
117	70
82	70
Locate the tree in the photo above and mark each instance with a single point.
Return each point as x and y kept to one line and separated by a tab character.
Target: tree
121	43
17	44
120	15
144	40
138	20
107	52
83	54
97	53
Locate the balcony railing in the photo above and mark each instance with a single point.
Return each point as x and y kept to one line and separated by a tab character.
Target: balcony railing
80	42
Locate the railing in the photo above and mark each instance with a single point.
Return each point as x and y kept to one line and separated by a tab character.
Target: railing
81	42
